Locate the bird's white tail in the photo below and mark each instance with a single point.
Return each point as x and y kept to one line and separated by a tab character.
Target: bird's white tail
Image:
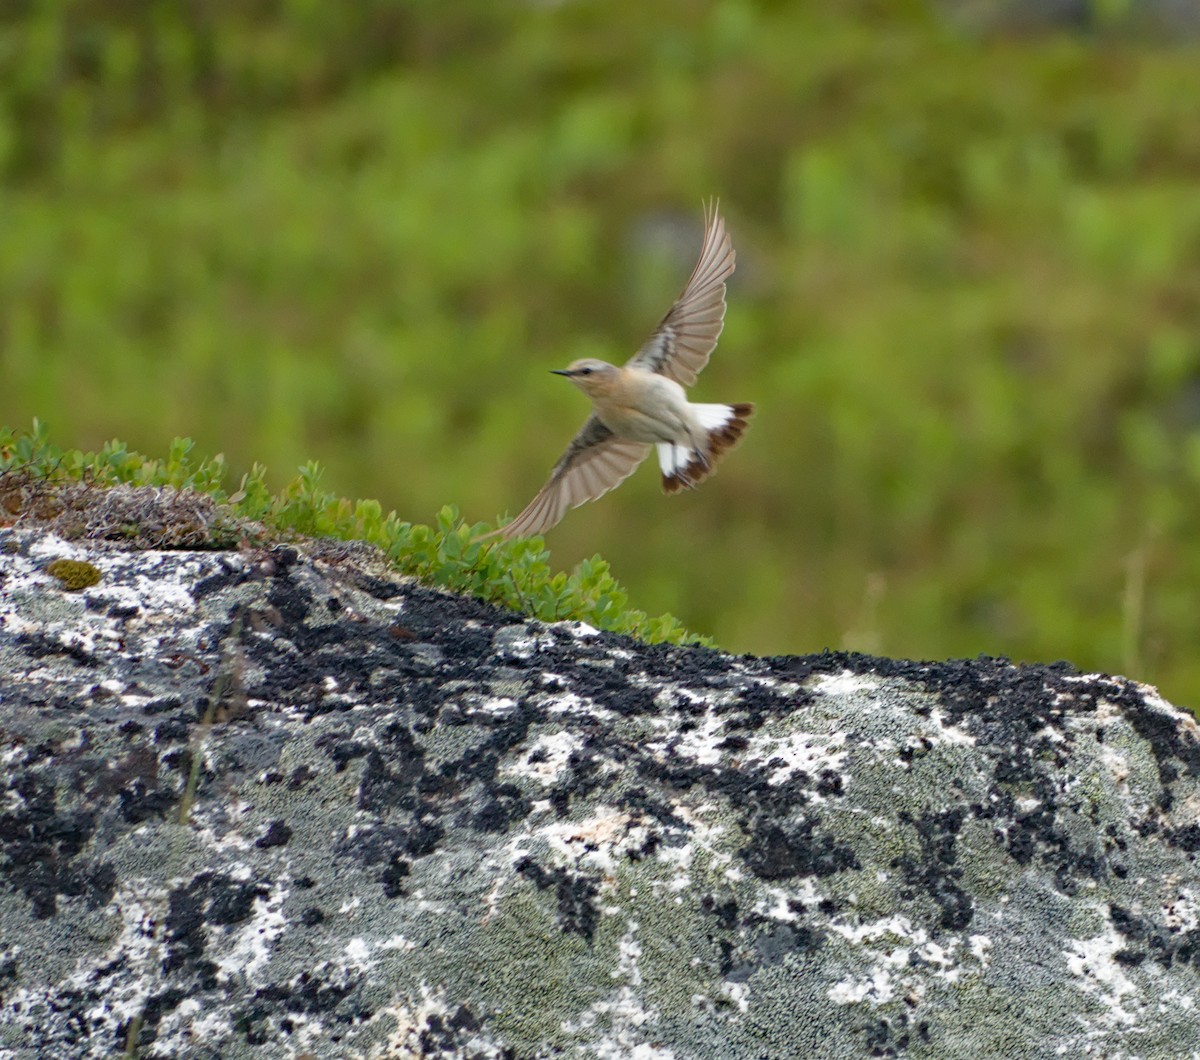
684	467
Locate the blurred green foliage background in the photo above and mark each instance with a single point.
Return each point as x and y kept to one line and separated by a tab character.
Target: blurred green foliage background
967	302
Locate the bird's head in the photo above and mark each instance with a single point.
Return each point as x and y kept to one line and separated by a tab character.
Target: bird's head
594	377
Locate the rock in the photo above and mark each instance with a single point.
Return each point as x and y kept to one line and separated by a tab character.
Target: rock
418	826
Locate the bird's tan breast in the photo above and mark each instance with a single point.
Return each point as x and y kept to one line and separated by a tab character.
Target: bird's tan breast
644	407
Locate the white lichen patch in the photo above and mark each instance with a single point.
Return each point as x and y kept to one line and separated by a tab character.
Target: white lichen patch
191	1020
779	904
981	949
356	955
903	960
844	684
1176	1001
797	752
892	927
170	598
1181	912
398	943
737	993
600	841
121	597
546	758
698	741
679	860
629	950
408	1020
217	834
516	642
569	705
1099	975
700	744
50	546
1116	764
14	624
254	939
947	733
581	630
702	849
876	989
137	949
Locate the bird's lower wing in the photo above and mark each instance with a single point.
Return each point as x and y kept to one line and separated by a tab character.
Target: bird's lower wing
595	462
682	343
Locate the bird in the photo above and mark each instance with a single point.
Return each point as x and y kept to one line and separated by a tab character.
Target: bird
644	404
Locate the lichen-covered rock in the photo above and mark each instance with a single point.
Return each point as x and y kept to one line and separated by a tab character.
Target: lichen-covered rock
275	803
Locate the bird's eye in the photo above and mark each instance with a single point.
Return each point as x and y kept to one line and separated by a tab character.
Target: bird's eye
585	371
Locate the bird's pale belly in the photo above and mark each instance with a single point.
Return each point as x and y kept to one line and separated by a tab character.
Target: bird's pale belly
637	425
653	410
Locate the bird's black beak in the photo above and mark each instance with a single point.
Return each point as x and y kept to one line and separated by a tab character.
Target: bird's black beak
561	371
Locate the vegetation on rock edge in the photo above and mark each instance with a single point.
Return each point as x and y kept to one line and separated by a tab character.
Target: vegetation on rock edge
514	574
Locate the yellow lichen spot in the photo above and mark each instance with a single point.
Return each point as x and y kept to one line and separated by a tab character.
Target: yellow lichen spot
75	574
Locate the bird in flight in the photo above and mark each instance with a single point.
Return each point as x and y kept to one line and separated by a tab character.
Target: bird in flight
643	403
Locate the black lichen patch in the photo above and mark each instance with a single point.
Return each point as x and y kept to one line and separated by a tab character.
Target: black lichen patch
452	1034
10	972
39	646
500	806
379	588
1167	739
271	1012
1186	838
170	730
656	809
155	1007
576	894
277	835
211	898
392	783
362	659
226	576
290	599
394	875
935	874
394	846
777	853
140	803
42	845
1147	939
894	1035
307	993
133	778
582	776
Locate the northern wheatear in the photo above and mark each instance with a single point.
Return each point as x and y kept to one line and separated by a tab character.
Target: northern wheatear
644	402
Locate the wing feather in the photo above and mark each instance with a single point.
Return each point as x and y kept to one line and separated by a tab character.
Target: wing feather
595	462
684	340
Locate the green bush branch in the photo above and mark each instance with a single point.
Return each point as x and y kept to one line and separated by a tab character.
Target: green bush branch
514	574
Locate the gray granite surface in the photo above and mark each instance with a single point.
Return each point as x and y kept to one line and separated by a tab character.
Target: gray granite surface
424	827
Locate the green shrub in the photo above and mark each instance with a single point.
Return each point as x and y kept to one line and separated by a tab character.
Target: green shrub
514	574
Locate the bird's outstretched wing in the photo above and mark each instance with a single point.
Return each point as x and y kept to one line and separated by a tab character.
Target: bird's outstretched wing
595	462
681	344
